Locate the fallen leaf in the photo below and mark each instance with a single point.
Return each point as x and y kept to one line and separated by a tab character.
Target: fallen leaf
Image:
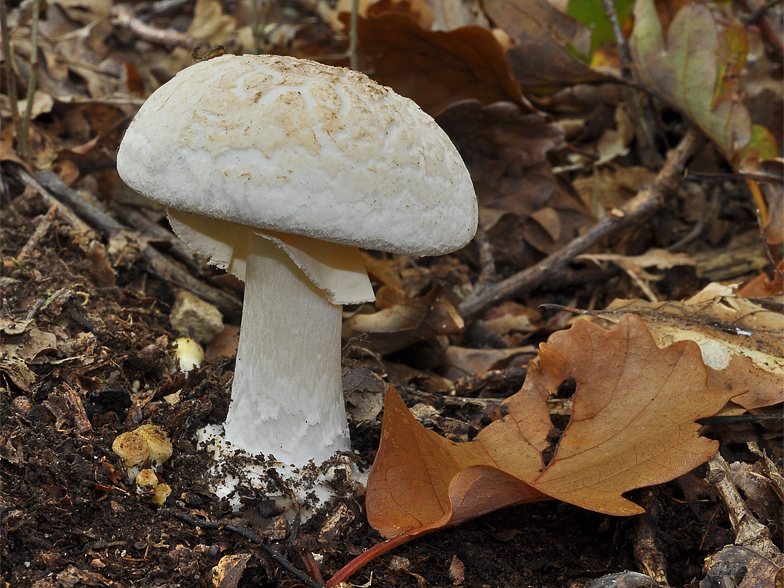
506	149
754	569
763	287
401	325
410	485
228	572
607	188
741	342
419	10
210	24
591	13
453	14
460	361
693	70
658	258
436	68
543	60
632	425
500	137
384	270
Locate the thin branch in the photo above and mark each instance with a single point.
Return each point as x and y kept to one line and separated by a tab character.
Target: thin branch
48	184
770	27
23	131
38	234
623	46
633	213
123	17
250	536
10	75
353	39
642	117
486	258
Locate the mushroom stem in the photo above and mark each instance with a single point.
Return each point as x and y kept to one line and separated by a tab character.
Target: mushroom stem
287	395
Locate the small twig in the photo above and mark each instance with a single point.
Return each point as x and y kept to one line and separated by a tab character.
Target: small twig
63	211
620	41
353	36
759	13
23	131
38	234
486	259
741	419
749	532
123	17
311	565
642	117
10	75
86	210
250	536
256	16
767	25
159	8
709	214
75	403
157	263
634	212
647	553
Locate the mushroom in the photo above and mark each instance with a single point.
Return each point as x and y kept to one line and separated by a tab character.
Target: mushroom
279	169
133	450
158	441
188	353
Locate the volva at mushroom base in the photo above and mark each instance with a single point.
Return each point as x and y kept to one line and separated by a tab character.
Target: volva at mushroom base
278	169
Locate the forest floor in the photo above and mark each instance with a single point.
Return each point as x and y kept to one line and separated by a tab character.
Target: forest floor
87	334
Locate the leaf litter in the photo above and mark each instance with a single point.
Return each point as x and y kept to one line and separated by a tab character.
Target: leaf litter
86	349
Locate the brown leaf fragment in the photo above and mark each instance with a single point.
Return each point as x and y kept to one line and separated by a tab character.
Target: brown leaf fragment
500	136
401	325
764	287
421	482
461	361
228	572
436	68
35	343
542	61
623	433
741	342
16	370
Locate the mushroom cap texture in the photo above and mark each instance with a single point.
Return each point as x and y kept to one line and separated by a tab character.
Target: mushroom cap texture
295	146
132	448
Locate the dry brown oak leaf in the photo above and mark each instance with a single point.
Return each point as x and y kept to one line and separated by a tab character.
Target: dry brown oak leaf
632	425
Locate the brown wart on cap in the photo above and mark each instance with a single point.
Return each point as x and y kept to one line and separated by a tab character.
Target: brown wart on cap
278	169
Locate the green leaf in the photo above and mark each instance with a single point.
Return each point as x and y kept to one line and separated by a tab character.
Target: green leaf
591	14
690	69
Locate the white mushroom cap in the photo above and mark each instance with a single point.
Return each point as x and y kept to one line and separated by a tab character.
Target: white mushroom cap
294	146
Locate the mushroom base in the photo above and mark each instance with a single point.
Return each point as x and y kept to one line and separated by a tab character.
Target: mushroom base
237	476
287	396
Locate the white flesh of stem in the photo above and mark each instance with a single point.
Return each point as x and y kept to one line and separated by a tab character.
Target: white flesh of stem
287	395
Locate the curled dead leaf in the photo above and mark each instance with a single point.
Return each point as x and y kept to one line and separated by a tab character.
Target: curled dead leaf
400	325
632	425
